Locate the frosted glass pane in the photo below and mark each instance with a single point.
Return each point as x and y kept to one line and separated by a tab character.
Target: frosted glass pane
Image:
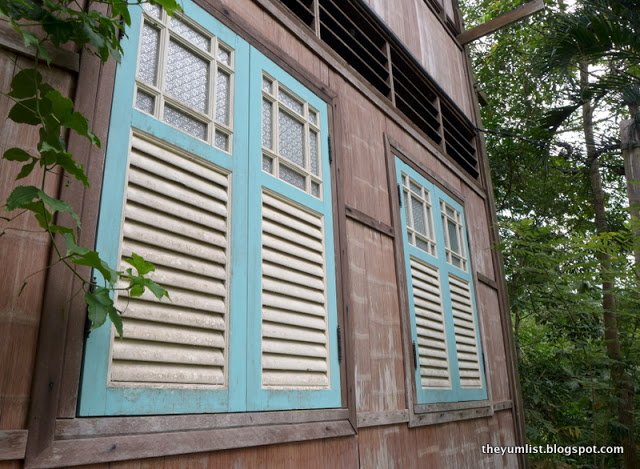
190	34
148	55
267	85
418	217
415	188
187	77
291	102
406	208
221	140
222	97
185	122
224	56
267	164
292	177
315	189
313	117
145	102
313	152
422	244
267	124
291	137
454	244
152	10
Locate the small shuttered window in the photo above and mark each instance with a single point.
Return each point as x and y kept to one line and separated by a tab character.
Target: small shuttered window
225	187
443	314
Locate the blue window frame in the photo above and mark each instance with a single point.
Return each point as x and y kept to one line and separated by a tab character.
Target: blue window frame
443	315
191	147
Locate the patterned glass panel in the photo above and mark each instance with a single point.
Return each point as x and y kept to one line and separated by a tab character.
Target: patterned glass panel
187	77
292	177
267	85
313	152
185	122
415	188
222	97
418	217
148	55
190	34
422	244
454	245
224	56
145	102
315	189
267	164
152	10
291	137
221	140
291	102
406	208
267	124
313	117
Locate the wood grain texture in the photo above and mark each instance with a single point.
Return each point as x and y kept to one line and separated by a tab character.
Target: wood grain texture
24	251
374	306
12	444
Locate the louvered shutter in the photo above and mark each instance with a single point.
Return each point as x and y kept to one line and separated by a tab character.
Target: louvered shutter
433	359
444	328
465	333
294	310
175	215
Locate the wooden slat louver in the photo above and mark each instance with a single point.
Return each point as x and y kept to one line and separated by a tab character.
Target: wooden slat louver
433	360
465	333
294	308
176	213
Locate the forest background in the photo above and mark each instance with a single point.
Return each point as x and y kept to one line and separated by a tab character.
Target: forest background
559	87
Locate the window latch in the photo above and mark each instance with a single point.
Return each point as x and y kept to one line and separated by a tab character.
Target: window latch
415	356
339	345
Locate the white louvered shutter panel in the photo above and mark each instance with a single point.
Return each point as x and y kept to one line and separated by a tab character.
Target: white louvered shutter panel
294	308
176	216
433	360
465	333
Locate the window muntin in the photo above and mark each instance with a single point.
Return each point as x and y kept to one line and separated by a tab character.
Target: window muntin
185	77
418	212
441	299
452	229
242	373
290	138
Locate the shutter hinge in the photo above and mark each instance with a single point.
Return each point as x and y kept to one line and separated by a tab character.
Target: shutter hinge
399	195
415	356
329	149
339	345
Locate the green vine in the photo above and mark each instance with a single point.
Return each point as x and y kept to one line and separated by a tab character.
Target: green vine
98	27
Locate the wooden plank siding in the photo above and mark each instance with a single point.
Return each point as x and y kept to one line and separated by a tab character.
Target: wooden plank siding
377	396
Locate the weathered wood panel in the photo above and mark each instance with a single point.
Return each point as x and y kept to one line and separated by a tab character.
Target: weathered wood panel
360	145
489	312
23	252
375	311
479	237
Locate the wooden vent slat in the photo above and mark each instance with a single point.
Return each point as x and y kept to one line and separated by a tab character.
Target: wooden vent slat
302	9
465	333
176	217
433	359
294	308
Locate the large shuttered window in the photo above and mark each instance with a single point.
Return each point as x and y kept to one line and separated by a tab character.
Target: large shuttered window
217	171
444	325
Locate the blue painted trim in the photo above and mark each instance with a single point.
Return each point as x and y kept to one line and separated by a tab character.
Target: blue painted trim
259	398
456	393
96	396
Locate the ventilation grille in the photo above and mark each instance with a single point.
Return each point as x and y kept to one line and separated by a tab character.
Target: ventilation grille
459	137
363	40
294	313
176	218
348	31
465	332
433	359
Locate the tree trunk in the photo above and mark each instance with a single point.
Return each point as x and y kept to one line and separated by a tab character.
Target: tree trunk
630	144
621	381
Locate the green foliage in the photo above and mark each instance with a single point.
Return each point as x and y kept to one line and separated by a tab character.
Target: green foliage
38	104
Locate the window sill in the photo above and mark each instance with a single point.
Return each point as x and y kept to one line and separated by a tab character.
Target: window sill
103	439
432	414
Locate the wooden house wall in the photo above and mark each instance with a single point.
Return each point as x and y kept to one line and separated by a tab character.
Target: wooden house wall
376	316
